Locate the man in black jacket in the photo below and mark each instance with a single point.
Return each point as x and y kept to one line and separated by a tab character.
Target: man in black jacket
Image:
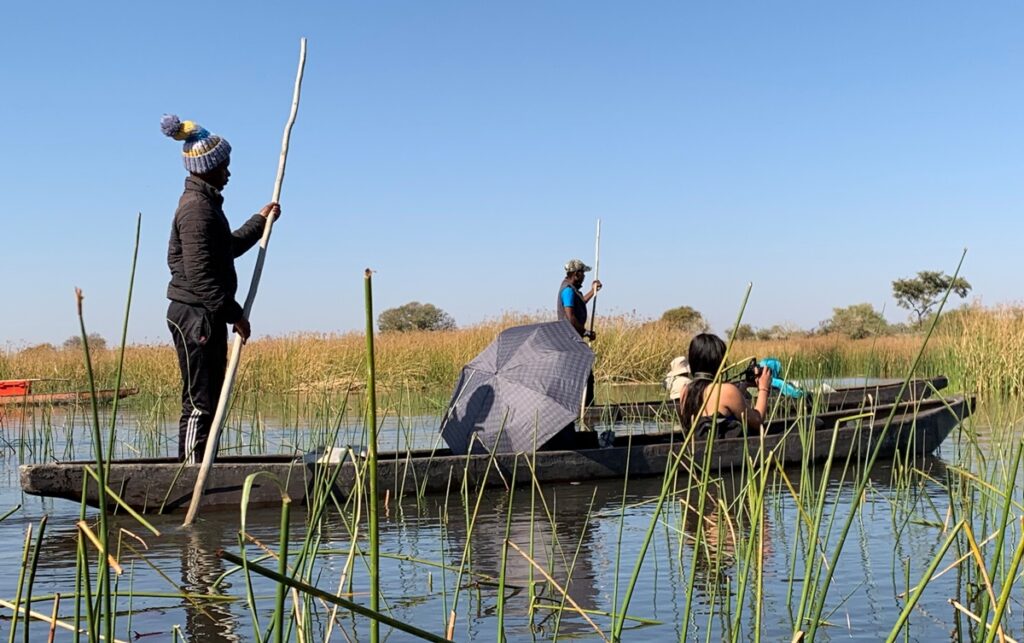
201	255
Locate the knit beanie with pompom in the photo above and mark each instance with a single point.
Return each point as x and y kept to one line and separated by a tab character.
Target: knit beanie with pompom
202	150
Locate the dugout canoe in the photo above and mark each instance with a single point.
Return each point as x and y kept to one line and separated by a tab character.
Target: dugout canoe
164	485
878	392
65	398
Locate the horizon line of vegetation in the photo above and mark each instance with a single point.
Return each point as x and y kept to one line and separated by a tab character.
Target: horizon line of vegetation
980	349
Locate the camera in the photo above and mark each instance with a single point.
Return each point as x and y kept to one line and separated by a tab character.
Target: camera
751	373
754	369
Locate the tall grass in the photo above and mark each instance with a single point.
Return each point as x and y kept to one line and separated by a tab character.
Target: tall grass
980	349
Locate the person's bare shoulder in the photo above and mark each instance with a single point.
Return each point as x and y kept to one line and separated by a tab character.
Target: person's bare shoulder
732	399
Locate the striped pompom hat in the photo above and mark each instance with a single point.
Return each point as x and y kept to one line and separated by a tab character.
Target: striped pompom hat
202	151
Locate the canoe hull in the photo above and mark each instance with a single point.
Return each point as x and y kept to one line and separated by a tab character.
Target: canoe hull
73	398
164	486
885	392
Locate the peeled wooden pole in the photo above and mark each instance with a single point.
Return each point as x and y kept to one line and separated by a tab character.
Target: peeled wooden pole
593	314
236	348
597	271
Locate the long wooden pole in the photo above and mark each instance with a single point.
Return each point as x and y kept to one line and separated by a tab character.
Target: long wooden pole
597	271
236	348
593	314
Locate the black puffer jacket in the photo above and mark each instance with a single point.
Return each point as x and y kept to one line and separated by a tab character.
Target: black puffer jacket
202	250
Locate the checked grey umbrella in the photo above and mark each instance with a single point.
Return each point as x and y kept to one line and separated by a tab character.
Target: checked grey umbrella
520	391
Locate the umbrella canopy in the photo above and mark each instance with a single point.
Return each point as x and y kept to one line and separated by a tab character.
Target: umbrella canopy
520	391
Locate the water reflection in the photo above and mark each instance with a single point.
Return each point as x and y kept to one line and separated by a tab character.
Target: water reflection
200	568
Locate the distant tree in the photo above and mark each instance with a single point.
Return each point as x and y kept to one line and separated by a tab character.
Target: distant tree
779	331
856	322
414	316
686	319
745	331
921	293
96	342
38	349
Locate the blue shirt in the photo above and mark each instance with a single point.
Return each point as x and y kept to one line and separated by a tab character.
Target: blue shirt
568	296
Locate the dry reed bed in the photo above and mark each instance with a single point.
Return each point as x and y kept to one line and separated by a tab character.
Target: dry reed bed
981	349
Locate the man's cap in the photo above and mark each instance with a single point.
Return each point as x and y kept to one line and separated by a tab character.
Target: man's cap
202	151
575	265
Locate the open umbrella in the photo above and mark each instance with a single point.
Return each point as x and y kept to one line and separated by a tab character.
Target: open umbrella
520	391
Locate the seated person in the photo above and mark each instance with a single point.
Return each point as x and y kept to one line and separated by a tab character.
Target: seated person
721	405
677	378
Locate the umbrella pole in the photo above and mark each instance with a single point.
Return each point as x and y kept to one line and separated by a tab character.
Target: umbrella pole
236	349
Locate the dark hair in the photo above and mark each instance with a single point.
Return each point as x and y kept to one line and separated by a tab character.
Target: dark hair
705	355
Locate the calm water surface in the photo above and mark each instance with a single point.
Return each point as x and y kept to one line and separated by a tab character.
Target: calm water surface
894	536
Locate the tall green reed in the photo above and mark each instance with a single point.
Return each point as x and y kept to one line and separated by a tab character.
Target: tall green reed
371	459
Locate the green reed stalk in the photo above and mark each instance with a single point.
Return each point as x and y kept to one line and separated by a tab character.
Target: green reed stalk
670	472
137	593
444	573
124	339
698	537
282	568
326	475
91	618
1004	520
9	513
504	556
858	494
371	459
80	563
913	599
622	521
531	589
754	490
331	598
107	615
1004	594
250	593
813	568
32	576
352	525
470	525
120	502
131	601
572	566
21	584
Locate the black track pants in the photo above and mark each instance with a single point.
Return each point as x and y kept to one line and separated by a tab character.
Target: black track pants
202	347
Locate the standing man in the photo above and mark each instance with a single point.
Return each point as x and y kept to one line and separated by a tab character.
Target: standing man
572	305
201	255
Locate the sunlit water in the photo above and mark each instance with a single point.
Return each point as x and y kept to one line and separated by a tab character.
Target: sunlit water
895	534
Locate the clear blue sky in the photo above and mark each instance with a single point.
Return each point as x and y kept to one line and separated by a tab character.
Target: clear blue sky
464	151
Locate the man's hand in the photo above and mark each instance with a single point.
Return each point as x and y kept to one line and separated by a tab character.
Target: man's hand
589	334
271	209
595	286
242	328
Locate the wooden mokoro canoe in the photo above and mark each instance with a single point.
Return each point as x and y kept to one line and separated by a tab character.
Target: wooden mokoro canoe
72	397
886	391
164	485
